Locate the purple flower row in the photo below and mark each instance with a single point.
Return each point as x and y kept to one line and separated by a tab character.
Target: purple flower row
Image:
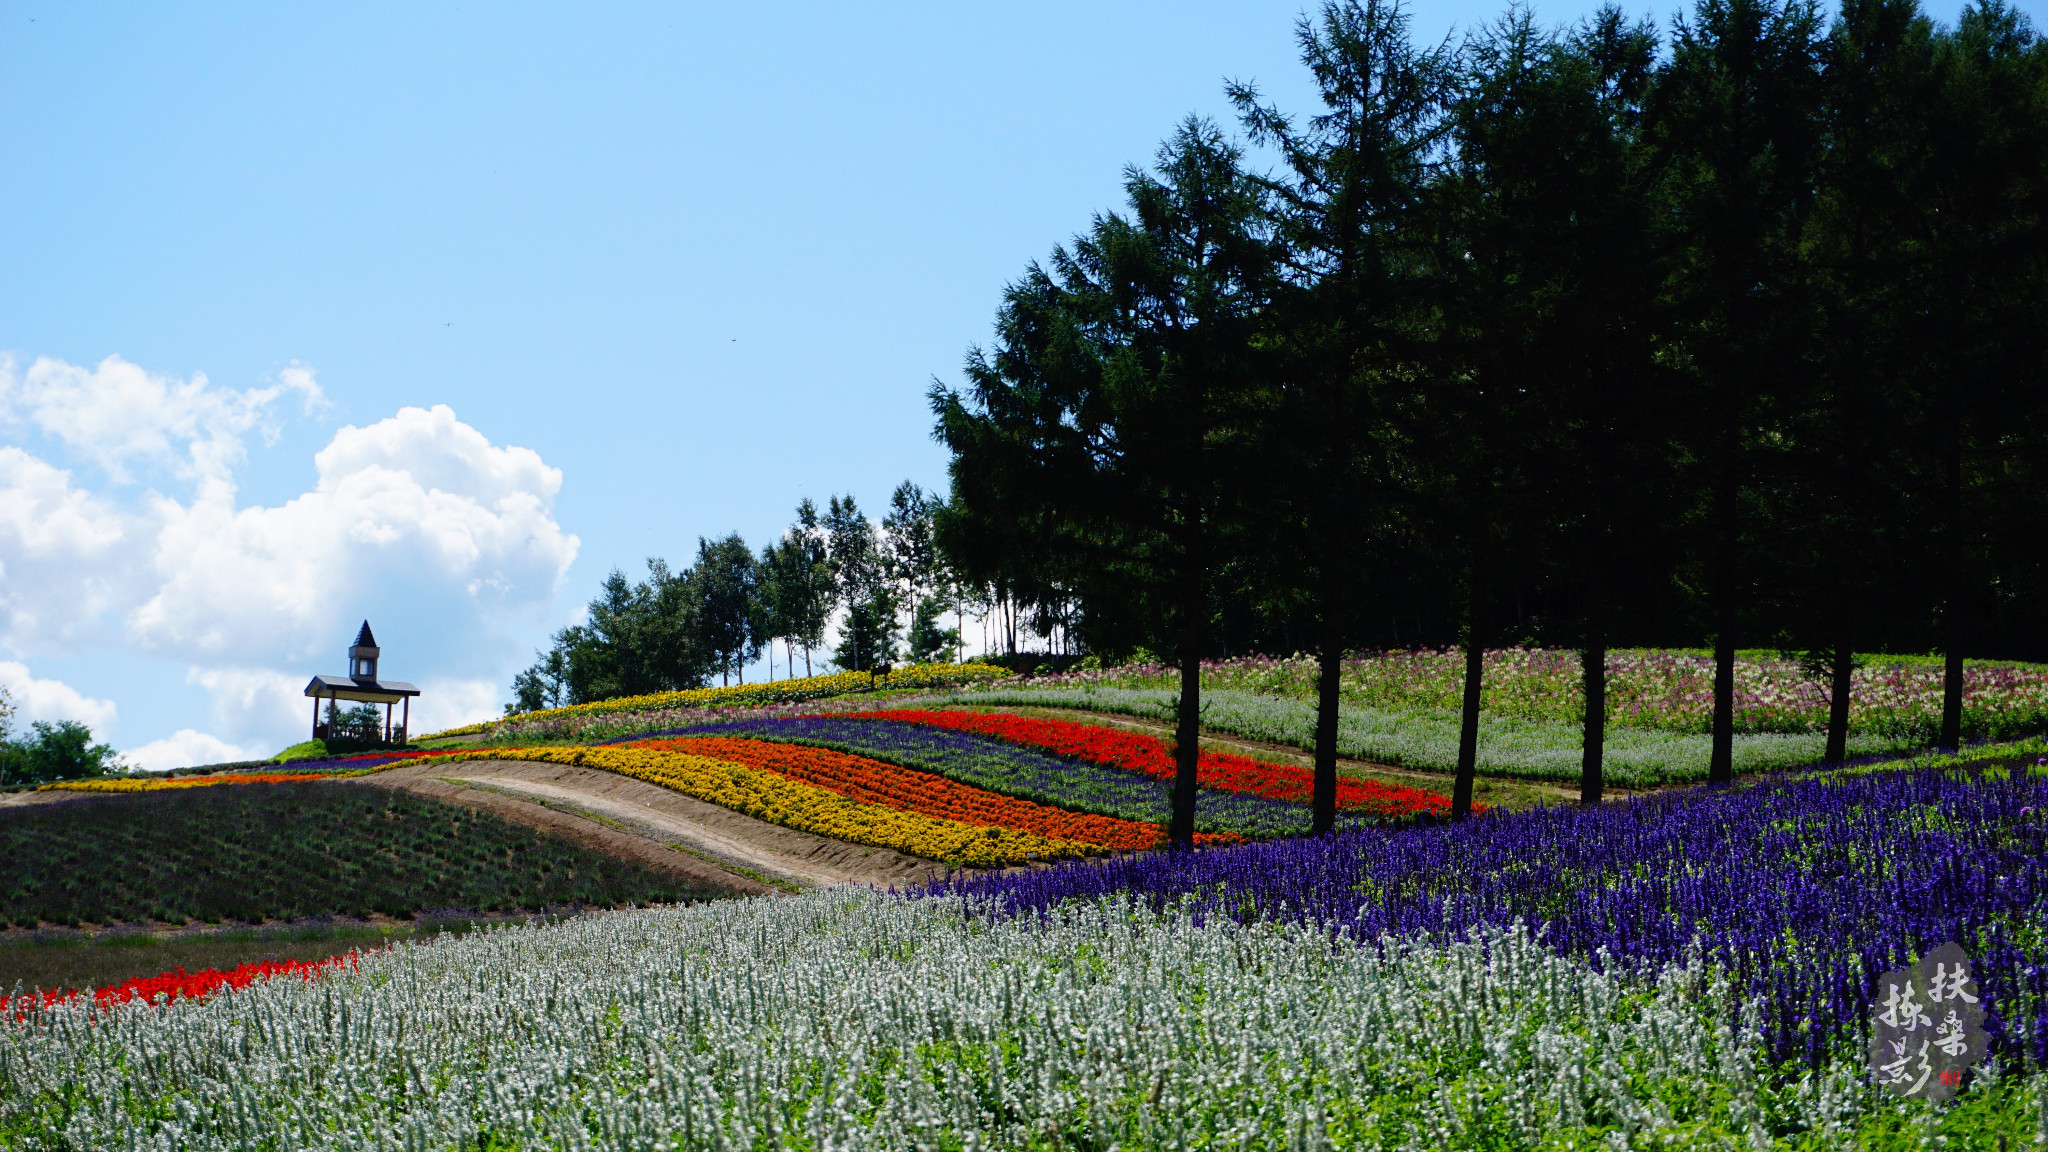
1803	890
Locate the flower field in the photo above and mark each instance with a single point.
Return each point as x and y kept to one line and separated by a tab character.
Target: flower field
172	783
1800	890
1895	698
751	695
1011	769
1428	738
974	789
853	1020
1138	752
874	782
772	795
1684	971
179	984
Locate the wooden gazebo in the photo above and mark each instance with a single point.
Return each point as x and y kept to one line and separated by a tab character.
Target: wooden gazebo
361	684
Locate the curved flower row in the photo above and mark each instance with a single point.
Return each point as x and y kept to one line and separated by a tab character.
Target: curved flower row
178	984
1141	753
771	692
1026	773
778	799
874	782
135	784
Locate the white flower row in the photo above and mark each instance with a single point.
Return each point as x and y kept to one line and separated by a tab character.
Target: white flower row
852	1019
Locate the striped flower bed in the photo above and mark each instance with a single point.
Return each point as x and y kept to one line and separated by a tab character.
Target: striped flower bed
178	984
806	807
1030	774
874	782
1138	752
135	784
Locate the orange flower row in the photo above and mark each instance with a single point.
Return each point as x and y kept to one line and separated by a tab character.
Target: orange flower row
874	782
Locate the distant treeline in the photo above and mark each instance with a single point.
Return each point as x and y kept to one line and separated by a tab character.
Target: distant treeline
679	629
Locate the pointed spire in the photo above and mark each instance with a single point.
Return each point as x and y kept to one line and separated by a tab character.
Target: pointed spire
364	639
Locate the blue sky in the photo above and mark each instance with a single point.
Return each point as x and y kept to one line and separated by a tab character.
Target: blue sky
435	314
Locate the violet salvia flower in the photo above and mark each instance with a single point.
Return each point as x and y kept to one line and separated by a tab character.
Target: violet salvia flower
1805	890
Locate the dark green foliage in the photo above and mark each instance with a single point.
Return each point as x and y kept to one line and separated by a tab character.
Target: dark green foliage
639	638
725	585
928	640
544	685
796	585
354	727
60	751
283	851
860	570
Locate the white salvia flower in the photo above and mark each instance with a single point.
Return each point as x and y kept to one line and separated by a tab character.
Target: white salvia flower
852	1019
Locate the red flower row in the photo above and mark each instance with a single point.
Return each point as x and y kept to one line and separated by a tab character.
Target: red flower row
178	984
907	790
1137	752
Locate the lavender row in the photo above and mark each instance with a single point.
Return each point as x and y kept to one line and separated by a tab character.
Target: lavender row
1804	890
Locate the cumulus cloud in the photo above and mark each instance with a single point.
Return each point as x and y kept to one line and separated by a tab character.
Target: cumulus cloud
50	700
420	505
120	416
66	556
418	522
447	703
187	747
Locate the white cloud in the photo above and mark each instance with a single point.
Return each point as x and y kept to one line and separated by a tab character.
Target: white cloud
417	517
67	557
454	703
251	700
50	700
417	522
119	416
186	748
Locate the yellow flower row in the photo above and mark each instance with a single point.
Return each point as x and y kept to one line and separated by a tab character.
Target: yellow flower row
164	783
771	692
804	807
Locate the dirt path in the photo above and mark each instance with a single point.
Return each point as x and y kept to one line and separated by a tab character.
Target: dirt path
745	853
55	796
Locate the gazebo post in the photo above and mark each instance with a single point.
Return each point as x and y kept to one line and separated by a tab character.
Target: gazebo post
407	722
315	733
387	721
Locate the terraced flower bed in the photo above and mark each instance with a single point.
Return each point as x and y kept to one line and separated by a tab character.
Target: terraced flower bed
1011	769
978	790
875	782
1220	771
779	798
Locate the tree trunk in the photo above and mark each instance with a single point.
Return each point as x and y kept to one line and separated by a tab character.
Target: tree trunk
1592	763
1838	698
1324	806
1721	760
1952	600
1475	671
1187	748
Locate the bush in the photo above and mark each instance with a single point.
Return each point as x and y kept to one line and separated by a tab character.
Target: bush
60	751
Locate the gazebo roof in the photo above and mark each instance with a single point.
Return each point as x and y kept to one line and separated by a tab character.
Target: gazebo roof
369	691
364	639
